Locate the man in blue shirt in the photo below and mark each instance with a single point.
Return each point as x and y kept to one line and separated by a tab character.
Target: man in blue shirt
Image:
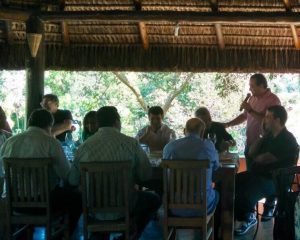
193	146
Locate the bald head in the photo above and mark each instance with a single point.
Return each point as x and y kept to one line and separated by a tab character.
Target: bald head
194	126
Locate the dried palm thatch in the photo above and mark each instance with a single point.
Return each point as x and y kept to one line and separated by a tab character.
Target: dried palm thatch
114	44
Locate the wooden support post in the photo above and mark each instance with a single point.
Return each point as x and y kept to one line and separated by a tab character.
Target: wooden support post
9	34
65	34
143	34
295	36
35	69
220	37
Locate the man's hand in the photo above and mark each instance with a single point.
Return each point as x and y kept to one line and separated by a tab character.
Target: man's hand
246	106
224	145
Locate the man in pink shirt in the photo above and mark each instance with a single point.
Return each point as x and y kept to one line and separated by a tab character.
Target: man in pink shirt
254	111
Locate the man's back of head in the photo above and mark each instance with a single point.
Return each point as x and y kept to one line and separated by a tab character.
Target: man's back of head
108	116
41	118
195	126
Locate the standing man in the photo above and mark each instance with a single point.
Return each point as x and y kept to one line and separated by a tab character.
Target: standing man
254	111
157	135
62	118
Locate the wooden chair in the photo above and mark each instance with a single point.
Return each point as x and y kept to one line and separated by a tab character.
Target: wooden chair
105	189
28	196
185	188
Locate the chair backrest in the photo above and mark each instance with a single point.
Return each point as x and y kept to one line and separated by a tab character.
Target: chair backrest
27	182
185	184
105	186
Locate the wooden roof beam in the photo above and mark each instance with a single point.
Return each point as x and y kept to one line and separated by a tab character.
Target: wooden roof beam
141	16
214	5
65	34
287	5
142	26
205	17
144	35
220	37
295	36
14	14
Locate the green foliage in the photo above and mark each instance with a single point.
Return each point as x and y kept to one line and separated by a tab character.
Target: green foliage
81	92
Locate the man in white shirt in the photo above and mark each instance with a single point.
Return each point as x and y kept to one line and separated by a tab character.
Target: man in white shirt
109	144
157	135
37	142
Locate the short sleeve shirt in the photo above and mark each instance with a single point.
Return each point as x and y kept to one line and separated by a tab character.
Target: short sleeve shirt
59	117
157	140
260	105
284	147
220	132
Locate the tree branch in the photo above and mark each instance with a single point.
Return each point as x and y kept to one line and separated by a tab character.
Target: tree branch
174	94
137	94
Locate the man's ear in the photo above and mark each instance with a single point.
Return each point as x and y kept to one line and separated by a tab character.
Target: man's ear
202	133
184	131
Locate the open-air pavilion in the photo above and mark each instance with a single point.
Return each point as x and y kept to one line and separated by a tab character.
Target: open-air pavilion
147	35
191	35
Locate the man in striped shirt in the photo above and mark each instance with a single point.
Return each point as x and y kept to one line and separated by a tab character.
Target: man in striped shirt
109	144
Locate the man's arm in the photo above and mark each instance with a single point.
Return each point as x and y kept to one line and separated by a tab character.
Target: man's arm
255	147
143	135
59	128
238	120
227	140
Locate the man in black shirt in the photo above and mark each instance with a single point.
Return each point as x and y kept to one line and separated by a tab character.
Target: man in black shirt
215	131
62	118
278	148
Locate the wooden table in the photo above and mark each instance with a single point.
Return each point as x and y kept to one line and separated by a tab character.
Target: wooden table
224	177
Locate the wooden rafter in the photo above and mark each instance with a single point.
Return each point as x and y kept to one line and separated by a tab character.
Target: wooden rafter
214	5
8	31
295	36
143	16
287	5
220	37
65	34
142	26
144	35
203	17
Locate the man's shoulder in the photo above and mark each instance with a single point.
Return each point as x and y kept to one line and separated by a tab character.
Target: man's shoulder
165	127
288	138
128	139
273	97
217	125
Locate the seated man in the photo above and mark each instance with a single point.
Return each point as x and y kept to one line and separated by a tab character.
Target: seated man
157	135
193	146
276	149
109	144
215	131
3	121
37	142
62	118
5	131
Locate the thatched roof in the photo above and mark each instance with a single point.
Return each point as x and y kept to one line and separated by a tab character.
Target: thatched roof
188	35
